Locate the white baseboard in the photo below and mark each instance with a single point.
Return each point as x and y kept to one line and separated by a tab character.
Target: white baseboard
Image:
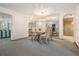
19	39
69	38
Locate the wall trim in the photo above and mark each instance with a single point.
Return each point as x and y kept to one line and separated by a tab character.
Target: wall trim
19	38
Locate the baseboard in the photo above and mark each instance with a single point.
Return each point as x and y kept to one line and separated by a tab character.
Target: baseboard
19	39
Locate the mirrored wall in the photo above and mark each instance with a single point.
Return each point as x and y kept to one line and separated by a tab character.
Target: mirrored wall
5	25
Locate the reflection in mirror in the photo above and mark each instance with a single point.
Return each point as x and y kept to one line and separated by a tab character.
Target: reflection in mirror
5	25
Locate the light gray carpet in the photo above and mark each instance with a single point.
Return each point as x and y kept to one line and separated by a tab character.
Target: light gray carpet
25	47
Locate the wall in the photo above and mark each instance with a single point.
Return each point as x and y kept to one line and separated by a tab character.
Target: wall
76	26
68	27
61	25
19	30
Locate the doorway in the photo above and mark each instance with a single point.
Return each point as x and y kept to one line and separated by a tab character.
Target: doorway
68	28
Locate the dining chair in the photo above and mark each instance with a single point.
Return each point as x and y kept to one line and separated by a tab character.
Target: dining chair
44	38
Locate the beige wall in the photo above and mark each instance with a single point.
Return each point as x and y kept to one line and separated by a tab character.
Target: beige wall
76	26
68	27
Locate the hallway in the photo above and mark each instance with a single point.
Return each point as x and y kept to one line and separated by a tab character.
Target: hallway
25	47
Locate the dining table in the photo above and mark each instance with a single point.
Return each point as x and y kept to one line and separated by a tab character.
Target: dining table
37	35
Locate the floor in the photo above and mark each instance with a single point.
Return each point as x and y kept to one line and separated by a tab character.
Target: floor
25	47
68	44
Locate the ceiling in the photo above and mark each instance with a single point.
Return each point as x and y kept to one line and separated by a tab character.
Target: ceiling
31	8
4	15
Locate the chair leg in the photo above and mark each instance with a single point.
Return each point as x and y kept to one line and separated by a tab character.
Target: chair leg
32	38
46	41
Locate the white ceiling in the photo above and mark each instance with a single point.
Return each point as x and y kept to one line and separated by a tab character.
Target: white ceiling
30	8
